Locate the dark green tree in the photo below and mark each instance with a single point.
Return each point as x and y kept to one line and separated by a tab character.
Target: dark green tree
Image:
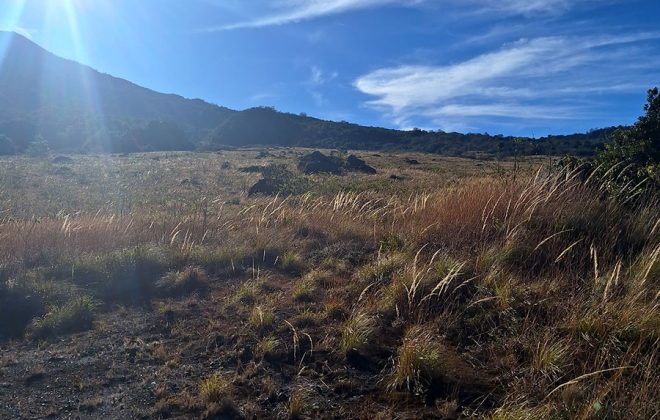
631	163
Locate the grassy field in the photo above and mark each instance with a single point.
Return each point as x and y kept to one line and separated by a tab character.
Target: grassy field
154	286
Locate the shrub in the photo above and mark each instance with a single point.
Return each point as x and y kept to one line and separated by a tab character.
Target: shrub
192	279
390	243
631	163
75	316
277	179
127	276
17	310
23	300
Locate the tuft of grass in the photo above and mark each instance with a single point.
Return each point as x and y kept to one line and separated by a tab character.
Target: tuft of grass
296	404
75	316
519	413
419	361
335	310
383	269
214	389
306	319
304	291
320	278
220	261
424	364
357	333
262	318
268	347
335	265
179	283
550	356
247	293
292	263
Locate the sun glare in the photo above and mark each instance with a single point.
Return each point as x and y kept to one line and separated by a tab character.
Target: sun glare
10	21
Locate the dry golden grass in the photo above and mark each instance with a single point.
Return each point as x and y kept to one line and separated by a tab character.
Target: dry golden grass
488	297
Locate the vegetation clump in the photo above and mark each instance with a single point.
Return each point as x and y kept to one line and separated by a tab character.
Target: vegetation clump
76	315
629	165
129	275
632	162
192	279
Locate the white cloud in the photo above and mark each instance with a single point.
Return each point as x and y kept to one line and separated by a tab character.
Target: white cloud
524	6
317	79
289	11
542	78
281	12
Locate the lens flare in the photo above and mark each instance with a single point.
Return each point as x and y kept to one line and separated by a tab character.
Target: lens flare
10	21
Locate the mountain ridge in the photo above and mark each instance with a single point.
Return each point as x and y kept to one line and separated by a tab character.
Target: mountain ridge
77	108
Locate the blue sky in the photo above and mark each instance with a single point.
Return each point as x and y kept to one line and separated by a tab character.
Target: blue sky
519	67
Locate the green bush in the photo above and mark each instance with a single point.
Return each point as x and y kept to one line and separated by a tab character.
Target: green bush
26	298
76	315
179	283
17	310
127	276
630	165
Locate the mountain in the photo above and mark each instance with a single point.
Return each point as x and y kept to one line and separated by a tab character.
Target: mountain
266	126
75	108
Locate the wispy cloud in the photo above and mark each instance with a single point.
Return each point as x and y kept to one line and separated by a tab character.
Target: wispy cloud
317	79
289	11
281	12
524	6
542	78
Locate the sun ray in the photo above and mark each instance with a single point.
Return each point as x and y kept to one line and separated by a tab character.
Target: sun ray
94	118
10	21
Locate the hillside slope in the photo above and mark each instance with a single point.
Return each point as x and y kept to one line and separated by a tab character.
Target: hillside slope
73	105
266	126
